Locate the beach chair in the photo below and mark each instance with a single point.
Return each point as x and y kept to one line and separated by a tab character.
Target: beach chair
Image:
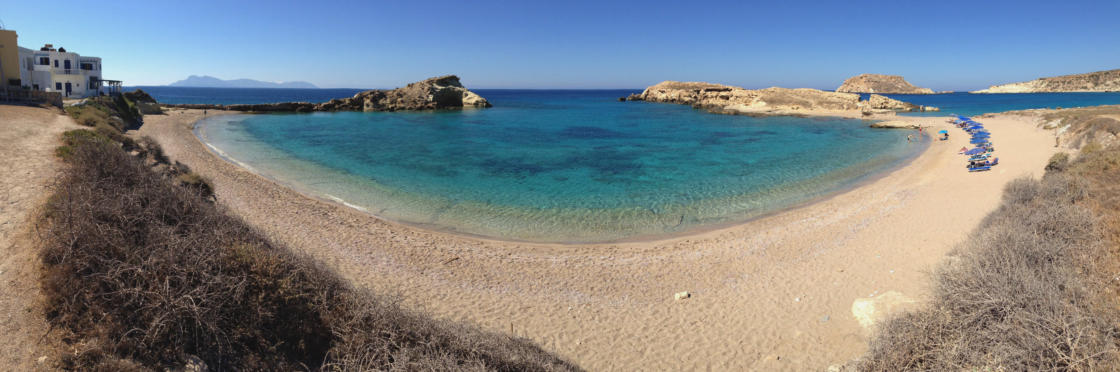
980	169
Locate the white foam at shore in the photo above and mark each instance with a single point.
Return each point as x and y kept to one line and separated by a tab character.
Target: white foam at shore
343	202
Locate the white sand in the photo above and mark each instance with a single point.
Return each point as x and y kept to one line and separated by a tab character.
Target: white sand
772	294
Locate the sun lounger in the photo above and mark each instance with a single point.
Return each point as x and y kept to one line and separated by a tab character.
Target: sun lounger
980	169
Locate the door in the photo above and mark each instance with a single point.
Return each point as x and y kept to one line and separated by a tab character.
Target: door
66	65
68	88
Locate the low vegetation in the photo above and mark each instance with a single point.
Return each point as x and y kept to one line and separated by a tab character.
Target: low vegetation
1032	289
142	273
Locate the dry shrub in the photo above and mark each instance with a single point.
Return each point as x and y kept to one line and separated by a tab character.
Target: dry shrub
143	274
1021	294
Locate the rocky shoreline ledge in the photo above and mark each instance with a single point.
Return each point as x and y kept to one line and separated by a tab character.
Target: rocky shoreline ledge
444	92
725	99
1100	81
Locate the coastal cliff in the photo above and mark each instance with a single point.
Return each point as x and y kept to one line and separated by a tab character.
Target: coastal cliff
727	99
444	92
1100	81
884	84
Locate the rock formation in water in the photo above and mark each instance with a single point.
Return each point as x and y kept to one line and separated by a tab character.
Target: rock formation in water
444	92
770	101
894	124
883	84
1100	81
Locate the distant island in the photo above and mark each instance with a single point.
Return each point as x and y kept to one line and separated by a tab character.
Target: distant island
1100	81
443	92
882	84
204	81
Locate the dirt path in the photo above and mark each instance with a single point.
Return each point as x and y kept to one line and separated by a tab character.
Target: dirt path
28	136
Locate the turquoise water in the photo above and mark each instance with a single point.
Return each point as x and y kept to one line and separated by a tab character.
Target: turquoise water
561	166
975	104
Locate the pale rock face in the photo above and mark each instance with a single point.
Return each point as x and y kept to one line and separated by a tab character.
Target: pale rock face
770	101
1100	81
883	84
871	311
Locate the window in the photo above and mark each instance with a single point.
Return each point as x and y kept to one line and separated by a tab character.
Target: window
66	64
86	66
57	86
45	61
56	63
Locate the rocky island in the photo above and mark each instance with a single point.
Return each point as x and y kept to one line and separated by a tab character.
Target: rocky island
773	101
1100	81
444	92
883	84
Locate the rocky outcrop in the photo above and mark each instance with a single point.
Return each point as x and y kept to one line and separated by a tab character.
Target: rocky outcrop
883	84
894	124
770	101
445	92
1100	81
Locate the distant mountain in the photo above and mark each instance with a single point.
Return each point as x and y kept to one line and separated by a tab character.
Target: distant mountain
1100	81
213	82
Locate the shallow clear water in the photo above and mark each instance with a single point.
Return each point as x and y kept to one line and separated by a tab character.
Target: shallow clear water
561	166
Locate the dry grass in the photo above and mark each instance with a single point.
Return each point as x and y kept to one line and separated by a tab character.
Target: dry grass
144	274
1031	289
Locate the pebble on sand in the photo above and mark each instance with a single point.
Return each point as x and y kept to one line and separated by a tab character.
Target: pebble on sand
681	295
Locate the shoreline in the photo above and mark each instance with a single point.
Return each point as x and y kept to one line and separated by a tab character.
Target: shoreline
772	293
925	142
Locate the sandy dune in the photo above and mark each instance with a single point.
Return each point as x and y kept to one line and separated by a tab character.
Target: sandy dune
27	166
772	294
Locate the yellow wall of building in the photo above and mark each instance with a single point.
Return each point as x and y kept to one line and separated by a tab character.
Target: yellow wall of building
9	57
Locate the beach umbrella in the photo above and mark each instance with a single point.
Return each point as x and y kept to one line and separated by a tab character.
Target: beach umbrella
979	140
975	151
981	135
943	131
964	118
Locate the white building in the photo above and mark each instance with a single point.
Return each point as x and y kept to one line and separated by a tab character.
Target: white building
56	70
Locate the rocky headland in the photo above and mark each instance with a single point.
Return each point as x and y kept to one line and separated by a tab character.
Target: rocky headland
1100	81
883	84
727	99
444	92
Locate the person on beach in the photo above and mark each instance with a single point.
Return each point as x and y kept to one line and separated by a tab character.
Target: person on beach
909	138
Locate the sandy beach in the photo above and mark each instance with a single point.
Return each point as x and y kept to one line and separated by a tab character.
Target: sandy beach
776	293
27	168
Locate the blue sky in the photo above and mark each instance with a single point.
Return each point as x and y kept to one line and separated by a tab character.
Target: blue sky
944	45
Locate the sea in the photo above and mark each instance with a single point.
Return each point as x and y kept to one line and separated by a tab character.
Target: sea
567	166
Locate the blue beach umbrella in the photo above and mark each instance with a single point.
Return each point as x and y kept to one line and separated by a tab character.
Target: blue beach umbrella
964	118
978	140
943	131
981	135
975	151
